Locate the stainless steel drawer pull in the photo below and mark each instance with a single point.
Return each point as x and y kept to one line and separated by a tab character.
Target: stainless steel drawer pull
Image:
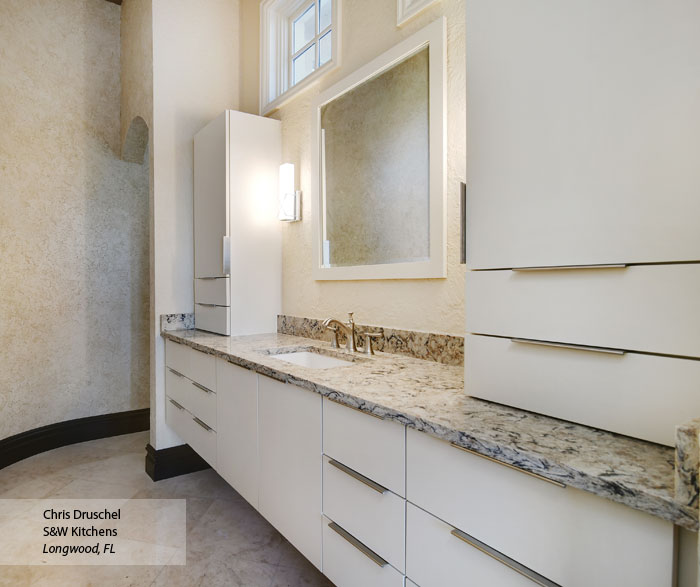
518	469
202	424
370	554
207	305
355	475
503	559
176	373
209	278
198	386
177	405
377	416
569	267
576	347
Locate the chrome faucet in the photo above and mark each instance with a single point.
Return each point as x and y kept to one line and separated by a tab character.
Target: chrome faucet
348	328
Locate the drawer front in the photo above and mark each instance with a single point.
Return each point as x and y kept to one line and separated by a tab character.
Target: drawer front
435	557
215	319
195	365
643	396
360	507
202	441
650	308
348	566
194	397
215	291
570	536
373	447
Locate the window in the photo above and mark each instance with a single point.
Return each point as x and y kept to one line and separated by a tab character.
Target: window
299	42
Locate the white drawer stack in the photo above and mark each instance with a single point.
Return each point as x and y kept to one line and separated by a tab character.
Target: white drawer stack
212	307
364	488
470	507
626	344
190	384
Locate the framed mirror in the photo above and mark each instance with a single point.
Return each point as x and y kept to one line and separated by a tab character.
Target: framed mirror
379	167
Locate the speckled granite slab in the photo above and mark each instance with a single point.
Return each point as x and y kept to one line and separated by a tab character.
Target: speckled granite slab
442	348
176	321
687	463
429	396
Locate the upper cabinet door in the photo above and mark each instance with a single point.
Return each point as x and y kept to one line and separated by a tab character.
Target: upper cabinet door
583	125
211	202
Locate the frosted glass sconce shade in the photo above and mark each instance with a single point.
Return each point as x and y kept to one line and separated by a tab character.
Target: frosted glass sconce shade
290	199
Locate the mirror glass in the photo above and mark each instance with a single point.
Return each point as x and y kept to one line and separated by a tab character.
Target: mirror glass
375	146
379	166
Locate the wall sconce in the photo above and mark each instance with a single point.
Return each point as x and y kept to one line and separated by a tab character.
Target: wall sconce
290	199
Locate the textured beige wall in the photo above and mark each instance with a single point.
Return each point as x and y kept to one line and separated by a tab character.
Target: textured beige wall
249	48
73	220
377	168
369	28
196	54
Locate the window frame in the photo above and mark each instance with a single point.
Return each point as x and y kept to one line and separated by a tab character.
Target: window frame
277	52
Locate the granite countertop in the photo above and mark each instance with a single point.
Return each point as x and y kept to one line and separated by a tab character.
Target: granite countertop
429	397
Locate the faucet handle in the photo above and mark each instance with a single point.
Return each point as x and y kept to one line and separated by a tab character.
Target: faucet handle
350	320
368	336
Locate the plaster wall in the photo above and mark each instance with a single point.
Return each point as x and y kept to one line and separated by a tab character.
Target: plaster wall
73	220
437	305
196	53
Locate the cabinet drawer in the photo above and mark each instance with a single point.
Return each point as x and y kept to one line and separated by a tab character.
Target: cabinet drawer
193	364
347	564
649	308
215	319
570	536
194	397
436	557
643	396
371	513
371	446
215	291
201	439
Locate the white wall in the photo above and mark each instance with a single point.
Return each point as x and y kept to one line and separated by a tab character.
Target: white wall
195	77
368	29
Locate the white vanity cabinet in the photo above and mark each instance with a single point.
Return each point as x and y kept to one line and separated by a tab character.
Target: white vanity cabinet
237	437
190	387
571	537
237	238
583	132
289	436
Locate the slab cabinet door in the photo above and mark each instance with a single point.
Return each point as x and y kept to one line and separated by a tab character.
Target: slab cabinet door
583	132
290	463
237	407
211	202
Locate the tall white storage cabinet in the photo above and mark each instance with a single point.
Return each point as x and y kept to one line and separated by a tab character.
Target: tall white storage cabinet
583	210
237	239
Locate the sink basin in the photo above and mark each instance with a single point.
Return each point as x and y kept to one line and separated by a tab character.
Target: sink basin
312	360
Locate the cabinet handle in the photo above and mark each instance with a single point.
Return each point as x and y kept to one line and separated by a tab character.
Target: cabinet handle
518	469
463	223
177	405
176	373
576	347
207	305
202	424
205	389
503	559
377	416
361	478
370	554
226	255
568	267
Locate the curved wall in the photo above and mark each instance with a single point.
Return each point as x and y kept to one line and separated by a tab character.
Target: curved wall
73	220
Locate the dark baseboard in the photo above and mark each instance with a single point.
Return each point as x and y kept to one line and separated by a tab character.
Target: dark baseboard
172	462
30	443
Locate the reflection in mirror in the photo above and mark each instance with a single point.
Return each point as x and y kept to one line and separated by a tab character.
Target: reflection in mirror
375	152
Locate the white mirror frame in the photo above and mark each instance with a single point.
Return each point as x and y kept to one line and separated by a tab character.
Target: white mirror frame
433	36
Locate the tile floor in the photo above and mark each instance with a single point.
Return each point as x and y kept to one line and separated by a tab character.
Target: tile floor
228	543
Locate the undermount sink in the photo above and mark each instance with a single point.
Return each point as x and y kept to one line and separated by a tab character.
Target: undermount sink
312	360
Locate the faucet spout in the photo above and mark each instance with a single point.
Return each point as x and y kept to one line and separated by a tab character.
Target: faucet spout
347	328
